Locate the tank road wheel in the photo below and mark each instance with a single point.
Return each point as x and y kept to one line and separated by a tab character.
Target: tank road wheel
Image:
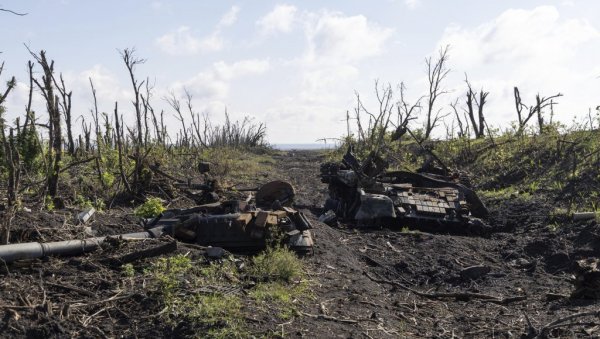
275	191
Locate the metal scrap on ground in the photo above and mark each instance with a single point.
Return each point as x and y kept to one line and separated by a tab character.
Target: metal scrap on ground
238	224
369	195
233	225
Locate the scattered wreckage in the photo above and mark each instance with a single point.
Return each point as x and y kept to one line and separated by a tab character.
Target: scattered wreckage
233	225
240	225
369	195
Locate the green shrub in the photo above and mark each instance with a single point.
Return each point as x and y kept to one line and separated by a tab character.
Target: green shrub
276	264
150	209
49	203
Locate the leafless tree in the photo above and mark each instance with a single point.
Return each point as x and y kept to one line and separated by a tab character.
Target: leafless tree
174	102
475	102
65	105
379	122
119	141
148	108
11	155
463	126
54	125
405	113
437	71
195	119
10	85
131	62
530	111
99	142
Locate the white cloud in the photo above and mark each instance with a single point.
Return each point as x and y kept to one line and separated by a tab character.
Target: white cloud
338	38
180	42
515	35
230	17
183	41
326	75
536	50
106	84
280	19
412	4
225	71
213	84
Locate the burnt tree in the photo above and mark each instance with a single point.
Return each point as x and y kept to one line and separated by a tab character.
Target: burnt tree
405	113
437	71
54	123
525	112
475	103
131	62
11	155
65	105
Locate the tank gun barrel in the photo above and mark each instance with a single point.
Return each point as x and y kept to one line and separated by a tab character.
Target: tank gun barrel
33	250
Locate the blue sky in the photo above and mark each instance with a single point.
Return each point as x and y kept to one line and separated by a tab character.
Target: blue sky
297	64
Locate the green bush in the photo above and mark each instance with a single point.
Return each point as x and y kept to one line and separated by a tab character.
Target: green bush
276	264
150	209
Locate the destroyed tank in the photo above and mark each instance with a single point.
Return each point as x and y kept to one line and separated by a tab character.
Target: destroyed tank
243	225
368	195
237	225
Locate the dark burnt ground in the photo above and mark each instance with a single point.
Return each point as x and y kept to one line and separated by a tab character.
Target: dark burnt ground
361	276
362	283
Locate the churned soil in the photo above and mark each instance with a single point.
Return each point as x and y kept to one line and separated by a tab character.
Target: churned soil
364	283
391	283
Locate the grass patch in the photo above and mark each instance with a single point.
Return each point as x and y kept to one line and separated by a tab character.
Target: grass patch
276	264
199	296
281	284
282	297
177	281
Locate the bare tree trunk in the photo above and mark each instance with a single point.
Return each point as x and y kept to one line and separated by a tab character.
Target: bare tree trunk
478	122
28	112
131	62
541	103
436	73
120	149
65	104
98	161
12	159
176	105
11	155
55	129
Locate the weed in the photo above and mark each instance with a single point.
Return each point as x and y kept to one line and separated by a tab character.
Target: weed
150	209
49	203
127	270
533	186
82	202
276	264
282	296
217	315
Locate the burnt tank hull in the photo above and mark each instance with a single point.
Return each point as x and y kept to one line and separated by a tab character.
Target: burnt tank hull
367	196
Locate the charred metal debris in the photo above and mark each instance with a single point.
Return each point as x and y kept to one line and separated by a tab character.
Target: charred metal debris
367	194
243	224
236	225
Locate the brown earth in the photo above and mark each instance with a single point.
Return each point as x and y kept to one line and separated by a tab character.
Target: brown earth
364	283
